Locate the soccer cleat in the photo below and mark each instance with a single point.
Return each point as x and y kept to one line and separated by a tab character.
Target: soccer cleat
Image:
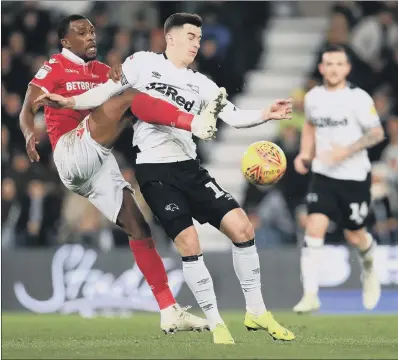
204	125
309	303
371	290
178	319
221	335
267	322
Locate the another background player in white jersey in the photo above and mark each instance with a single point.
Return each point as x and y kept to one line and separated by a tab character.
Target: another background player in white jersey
173	183
341	124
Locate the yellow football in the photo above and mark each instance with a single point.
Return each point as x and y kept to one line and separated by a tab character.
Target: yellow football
263	163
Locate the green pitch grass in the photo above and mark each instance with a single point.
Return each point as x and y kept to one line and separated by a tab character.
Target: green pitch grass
139	337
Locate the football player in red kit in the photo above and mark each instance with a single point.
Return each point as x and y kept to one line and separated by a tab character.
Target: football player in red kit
82	150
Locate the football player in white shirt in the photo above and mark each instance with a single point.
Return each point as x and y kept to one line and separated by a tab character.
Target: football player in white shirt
174	184
341	124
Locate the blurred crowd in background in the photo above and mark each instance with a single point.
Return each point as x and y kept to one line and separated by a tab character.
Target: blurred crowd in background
38	211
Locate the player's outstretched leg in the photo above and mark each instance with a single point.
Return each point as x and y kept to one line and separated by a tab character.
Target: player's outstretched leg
199	281
311	252
236	225
366	245
173	317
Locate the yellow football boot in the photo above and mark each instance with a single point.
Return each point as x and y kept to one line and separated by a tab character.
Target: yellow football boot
267	322
221	335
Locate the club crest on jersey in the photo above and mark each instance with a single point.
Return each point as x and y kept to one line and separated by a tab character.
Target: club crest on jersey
172	93
156	74
43	72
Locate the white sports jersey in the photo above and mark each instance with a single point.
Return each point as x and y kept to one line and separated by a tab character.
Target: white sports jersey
186	89
189	90
341	117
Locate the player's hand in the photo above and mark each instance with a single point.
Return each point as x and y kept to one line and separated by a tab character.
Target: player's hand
302	164
55	101
281	109
334	156
115	73
31	143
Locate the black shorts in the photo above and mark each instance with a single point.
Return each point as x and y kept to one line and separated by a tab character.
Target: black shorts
177	192
345	201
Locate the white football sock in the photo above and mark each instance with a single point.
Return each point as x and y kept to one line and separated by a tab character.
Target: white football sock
247	269
310	261
366	250
199	281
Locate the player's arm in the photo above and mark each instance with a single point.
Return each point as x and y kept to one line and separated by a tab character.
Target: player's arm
239	118
97	96
302	162
26	121
368	118
307	142
371	138
89	100
44	81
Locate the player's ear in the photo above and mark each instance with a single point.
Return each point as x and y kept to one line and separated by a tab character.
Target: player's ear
65	43
169	38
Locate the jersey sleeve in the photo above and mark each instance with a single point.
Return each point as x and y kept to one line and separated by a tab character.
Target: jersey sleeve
307	108
365	111
131	68
46	78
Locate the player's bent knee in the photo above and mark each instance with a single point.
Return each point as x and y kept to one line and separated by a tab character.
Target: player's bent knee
316	225
187	242
355	237
237	226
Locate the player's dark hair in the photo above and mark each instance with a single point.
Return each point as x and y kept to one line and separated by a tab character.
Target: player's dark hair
336	48
180	19
63	26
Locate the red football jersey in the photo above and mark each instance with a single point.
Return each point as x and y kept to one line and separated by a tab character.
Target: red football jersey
68	75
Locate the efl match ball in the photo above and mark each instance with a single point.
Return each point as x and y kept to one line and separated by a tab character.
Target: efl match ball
263	163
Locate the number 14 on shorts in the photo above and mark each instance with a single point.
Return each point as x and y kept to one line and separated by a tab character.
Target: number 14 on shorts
359	212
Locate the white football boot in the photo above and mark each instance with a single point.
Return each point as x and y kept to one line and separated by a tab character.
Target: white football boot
175	318
204	125
309	303
371	289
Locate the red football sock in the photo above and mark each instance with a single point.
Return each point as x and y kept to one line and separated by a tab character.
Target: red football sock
151	266
157	111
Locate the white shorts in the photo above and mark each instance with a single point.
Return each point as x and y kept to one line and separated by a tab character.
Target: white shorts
90	170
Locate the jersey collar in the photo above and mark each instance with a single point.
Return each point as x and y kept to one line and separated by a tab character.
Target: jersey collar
72	57
165	56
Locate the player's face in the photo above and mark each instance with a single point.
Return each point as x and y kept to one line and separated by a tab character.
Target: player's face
81	39
186	40
334	68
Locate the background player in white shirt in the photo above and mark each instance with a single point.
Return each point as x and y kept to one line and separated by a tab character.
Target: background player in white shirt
341	124
173	183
